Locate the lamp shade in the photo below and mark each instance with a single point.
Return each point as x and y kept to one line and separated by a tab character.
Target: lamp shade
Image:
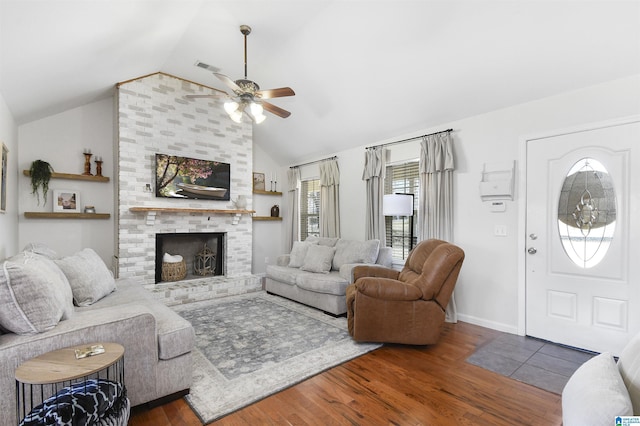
397	205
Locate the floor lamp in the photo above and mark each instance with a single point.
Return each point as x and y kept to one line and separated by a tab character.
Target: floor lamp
400	205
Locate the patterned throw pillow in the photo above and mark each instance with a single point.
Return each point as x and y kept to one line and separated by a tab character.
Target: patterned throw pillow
83	403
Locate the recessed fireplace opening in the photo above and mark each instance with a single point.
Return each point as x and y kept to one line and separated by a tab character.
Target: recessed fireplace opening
198	249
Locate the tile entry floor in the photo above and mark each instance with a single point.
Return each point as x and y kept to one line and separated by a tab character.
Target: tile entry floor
539	363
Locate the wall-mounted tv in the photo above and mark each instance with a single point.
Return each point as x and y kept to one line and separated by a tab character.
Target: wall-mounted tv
183	177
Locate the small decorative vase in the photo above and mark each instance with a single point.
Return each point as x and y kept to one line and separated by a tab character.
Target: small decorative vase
241	202
275	211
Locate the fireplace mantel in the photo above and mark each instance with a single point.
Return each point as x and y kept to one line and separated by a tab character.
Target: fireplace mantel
152	211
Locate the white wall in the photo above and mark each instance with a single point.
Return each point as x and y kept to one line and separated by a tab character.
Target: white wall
487	291
9	219
267	235
60	140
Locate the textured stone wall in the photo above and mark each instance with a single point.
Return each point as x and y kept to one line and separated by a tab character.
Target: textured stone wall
154	117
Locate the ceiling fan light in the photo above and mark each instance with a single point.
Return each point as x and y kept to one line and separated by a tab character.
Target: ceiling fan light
256	109
236	116
230	107
259	118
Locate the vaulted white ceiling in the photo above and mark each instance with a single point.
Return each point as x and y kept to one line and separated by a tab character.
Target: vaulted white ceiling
363	71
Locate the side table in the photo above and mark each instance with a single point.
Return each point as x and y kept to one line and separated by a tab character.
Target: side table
56	384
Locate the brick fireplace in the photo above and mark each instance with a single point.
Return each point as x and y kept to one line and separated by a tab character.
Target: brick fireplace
155	117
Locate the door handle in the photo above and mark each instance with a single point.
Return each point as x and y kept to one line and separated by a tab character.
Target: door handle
532	250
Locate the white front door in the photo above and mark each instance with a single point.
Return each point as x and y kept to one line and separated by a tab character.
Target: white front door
583	236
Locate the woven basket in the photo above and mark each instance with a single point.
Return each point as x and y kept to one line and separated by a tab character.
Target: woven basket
174	271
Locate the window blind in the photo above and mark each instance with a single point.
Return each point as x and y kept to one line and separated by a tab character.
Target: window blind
310	208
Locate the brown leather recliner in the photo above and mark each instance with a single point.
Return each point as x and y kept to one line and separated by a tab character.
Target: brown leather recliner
385	305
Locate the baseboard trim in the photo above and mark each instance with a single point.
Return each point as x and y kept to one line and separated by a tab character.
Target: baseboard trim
506	328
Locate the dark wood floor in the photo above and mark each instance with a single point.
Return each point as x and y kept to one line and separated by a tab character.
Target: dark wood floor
430	385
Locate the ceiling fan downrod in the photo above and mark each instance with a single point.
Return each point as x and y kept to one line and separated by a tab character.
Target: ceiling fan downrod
245	30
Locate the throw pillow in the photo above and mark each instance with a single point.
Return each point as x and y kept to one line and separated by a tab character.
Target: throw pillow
322	241
298	253
595	394
318	259
42	249
32	295
629	367
349	251
88	275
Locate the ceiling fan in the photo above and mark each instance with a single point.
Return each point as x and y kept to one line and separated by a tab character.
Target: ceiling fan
246	93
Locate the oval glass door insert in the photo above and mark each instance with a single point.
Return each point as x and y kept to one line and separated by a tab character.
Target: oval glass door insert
587	212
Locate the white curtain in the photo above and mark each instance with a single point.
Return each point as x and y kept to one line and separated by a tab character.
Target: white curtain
329	199
292	232
436	194
373	174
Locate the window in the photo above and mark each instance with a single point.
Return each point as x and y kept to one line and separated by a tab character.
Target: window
402	179
310	208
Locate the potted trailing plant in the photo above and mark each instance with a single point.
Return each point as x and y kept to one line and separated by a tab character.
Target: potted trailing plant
40	172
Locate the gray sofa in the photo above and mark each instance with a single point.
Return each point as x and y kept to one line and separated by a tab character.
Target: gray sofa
157	341
318	271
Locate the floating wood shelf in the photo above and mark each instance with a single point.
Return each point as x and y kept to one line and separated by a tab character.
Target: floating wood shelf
71	176
258	191
266	218
49	215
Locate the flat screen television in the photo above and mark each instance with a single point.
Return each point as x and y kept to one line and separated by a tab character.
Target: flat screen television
183	177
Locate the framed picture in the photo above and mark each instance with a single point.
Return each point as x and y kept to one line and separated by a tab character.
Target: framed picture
66	201
3	178
258	181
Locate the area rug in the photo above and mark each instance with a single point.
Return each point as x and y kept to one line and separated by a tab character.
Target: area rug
251	346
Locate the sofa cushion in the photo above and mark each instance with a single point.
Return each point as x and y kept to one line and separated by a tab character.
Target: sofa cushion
318	259
283	273
322	241
88	275
175	334
331	283
34	294
298	253
629	367
350	251
595	394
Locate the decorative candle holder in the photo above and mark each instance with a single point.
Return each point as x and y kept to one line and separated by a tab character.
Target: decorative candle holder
87	164
98	162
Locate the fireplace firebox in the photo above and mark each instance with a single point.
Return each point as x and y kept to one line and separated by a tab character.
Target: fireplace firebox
189	246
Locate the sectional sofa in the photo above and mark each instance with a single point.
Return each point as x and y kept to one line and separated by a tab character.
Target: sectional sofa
48	303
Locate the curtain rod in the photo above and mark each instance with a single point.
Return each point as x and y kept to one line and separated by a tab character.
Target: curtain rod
313	162
409	139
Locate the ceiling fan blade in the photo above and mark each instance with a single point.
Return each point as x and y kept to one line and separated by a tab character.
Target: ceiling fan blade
275	93
207	67
226	80
275	110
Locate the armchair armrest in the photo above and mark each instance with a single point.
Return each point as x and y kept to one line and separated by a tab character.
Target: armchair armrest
387	289
361	271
